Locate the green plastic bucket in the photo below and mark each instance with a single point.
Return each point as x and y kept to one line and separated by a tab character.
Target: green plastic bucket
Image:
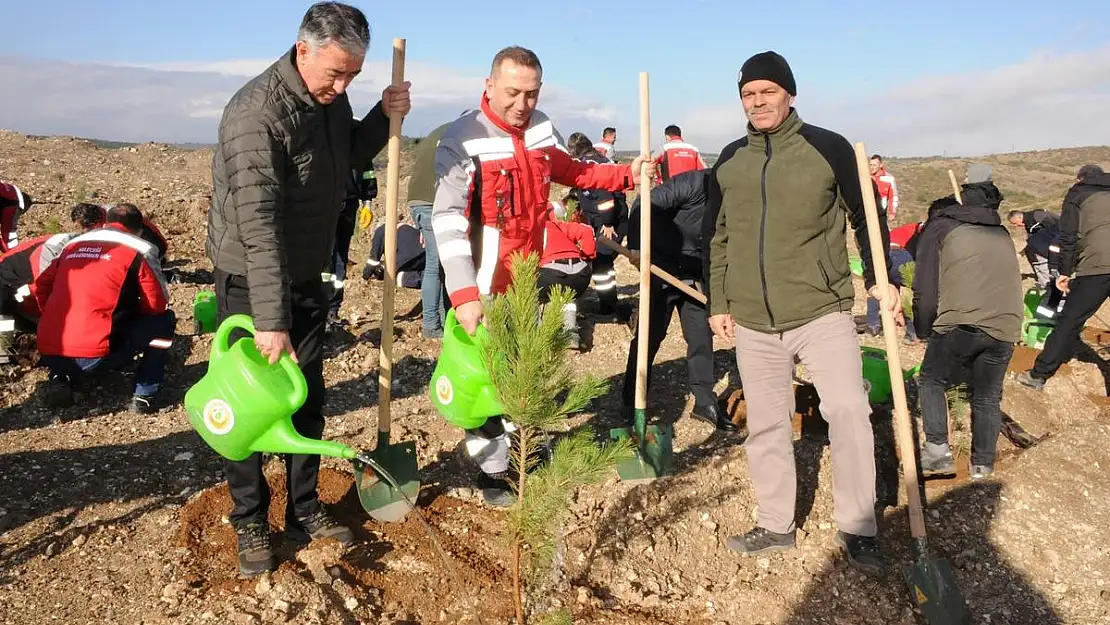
204	312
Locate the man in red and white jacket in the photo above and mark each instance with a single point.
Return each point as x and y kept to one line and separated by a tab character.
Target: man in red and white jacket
677	157
23	264
103	301
568	249
888	188
494	169
607	146
13	203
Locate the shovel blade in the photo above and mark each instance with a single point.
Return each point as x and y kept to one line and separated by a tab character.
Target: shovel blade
933	588
381	499
653	451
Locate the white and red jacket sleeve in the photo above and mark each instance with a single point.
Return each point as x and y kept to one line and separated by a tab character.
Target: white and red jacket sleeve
455	183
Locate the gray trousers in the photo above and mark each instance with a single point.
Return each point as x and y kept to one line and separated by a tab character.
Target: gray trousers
829	349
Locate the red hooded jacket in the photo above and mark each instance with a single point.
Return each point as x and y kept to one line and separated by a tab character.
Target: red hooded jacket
99	281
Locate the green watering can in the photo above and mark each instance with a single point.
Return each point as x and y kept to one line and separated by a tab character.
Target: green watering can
204	312
460	389
1031	301
876	374
1034	332
855	264
244	405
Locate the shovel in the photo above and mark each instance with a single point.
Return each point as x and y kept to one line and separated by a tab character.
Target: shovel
653	444
931	582
385	478
660	273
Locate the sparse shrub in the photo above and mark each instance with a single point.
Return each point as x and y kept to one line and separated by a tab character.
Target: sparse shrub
528	367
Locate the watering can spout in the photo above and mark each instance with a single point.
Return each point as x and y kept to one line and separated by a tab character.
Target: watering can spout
282	438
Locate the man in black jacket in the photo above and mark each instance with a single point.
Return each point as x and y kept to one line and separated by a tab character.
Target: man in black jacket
967	303
288	141
678	207
607	214
1084	269
1042	230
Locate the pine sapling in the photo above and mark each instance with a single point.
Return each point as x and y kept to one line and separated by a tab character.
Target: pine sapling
907	272
526	359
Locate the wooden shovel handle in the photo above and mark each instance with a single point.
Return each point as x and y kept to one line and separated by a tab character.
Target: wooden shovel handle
645	240
903	428
392	184
955	186
668	277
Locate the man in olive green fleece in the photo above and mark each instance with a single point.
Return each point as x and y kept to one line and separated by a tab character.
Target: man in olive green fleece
779	285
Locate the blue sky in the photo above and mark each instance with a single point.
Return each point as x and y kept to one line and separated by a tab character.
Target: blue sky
850	61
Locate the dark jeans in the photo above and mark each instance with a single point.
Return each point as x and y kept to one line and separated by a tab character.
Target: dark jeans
249	491
898	257
1085	295
965	347
695	329
344	232
431	288
576	282
140	330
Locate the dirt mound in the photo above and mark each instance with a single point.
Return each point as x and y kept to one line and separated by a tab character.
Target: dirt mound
391	569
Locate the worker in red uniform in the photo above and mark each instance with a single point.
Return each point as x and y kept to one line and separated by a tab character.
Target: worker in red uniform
23	264
494	169
103	301
677	156
568	251
888	188
607	146
13	203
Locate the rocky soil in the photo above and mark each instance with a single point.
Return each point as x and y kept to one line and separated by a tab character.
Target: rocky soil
112	517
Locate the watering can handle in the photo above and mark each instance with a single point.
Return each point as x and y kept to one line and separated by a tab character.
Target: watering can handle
221	343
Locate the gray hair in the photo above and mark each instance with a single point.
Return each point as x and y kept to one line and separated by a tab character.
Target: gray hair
335	23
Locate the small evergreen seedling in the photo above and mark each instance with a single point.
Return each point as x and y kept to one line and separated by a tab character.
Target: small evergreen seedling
526	358
907	273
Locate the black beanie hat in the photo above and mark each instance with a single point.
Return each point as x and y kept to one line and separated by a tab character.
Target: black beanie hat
767	65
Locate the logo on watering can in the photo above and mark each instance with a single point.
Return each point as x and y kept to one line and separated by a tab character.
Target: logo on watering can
444	392
218	417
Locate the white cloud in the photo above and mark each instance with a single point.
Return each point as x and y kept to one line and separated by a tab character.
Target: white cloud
1045	101
183	101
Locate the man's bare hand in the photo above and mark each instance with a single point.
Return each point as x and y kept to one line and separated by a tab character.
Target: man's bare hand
609	231
723	326
641	166
469	315
272	344
395	100
1064	284
890	300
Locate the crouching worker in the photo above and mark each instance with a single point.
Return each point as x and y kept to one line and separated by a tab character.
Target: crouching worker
103	301
21	266
967	304
410	257
678	208
568	249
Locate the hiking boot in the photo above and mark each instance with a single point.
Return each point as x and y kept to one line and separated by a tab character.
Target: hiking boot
496	491
146	404
712	415
937	460
1026	378
255	555
318	526
760	540
434	333
863	552
980	471
60	392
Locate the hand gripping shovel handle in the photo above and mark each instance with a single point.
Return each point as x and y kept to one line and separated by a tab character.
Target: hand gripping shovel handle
903	429
664	275
645	245
392	184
